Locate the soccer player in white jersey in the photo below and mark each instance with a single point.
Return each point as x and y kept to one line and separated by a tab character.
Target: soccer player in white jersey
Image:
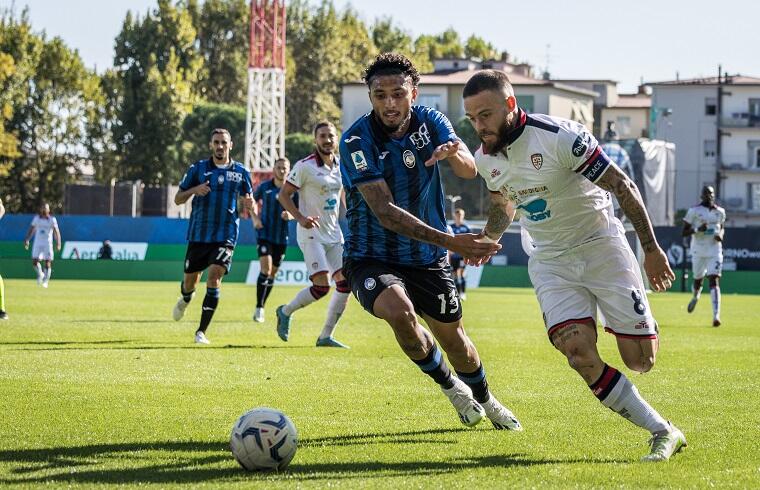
705	224
317	180
44	226
552	172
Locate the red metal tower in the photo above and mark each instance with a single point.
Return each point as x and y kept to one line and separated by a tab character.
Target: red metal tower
265	123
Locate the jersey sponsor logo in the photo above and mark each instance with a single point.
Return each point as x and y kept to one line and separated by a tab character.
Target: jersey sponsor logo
524	193
369	284
384	154
234	176
352	138
537	160
409	159
581	144
536	210
330	204
359	161
421	138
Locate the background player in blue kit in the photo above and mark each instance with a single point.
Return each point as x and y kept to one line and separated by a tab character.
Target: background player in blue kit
271	223
216	183
455	259
395	252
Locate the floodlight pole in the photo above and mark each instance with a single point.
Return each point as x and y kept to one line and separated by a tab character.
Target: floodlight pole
265	115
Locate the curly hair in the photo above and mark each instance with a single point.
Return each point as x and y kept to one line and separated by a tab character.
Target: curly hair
391	64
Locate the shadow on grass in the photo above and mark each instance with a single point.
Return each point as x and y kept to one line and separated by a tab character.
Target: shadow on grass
152	347
194	461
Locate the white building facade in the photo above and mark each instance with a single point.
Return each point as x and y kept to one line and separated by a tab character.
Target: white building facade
687	113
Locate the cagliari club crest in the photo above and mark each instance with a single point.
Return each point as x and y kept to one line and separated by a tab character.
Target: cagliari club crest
537	160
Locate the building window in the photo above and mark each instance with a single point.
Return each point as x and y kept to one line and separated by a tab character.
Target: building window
754	112
623	126
709	148
526	102
754	196
757	157
711	106
429	100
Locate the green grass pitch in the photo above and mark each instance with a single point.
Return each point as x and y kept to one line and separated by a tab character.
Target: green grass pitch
98	387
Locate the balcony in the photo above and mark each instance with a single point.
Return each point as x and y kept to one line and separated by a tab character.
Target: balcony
740	120
739	168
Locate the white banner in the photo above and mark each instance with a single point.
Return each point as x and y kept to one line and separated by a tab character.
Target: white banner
295	273
89	250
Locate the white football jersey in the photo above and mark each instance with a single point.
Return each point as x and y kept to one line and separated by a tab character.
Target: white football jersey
548	169
319	190
703	243
43	229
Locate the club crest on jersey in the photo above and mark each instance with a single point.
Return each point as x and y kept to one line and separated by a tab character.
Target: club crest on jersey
359	161
220	179
537	160
421	138
369	284
409	159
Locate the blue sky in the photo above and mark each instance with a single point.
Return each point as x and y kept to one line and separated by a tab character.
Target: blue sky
621	40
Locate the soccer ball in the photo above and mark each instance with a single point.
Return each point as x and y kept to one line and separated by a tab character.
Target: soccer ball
263	439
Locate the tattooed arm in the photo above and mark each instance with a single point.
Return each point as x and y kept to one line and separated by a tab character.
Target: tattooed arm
500	216
656	265
379	198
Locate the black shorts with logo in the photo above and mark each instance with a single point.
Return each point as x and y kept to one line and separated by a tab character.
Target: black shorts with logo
200	255
276	250
430	288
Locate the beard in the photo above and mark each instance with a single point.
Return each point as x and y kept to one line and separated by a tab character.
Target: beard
501	140
396	127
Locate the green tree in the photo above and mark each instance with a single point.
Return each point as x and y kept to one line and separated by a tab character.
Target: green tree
322	61
390	38
222	32
157	62
298	145
206	116
477	47
45	97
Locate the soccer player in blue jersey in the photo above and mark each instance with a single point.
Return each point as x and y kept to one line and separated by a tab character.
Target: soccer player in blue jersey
215	185
271	223
456	260
395	252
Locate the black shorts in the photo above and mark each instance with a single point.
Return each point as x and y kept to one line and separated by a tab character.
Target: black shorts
276	250
430	288
200	255
456	262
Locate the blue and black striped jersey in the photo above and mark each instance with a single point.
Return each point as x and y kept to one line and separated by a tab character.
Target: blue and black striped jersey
275	228
367	154
214	217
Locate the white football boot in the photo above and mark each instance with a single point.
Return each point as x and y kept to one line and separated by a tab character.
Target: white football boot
500	416
470	412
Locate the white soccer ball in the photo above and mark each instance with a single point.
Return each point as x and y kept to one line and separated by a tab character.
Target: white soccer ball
263	439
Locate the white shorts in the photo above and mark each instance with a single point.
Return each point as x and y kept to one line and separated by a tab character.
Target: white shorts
602	274
712	266
322	257
42	251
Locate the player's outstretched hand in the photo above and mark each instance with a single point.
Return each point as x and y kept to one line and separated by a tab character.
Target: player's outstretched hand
248	202
309	222
202	189
443	152
473	248
658	270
